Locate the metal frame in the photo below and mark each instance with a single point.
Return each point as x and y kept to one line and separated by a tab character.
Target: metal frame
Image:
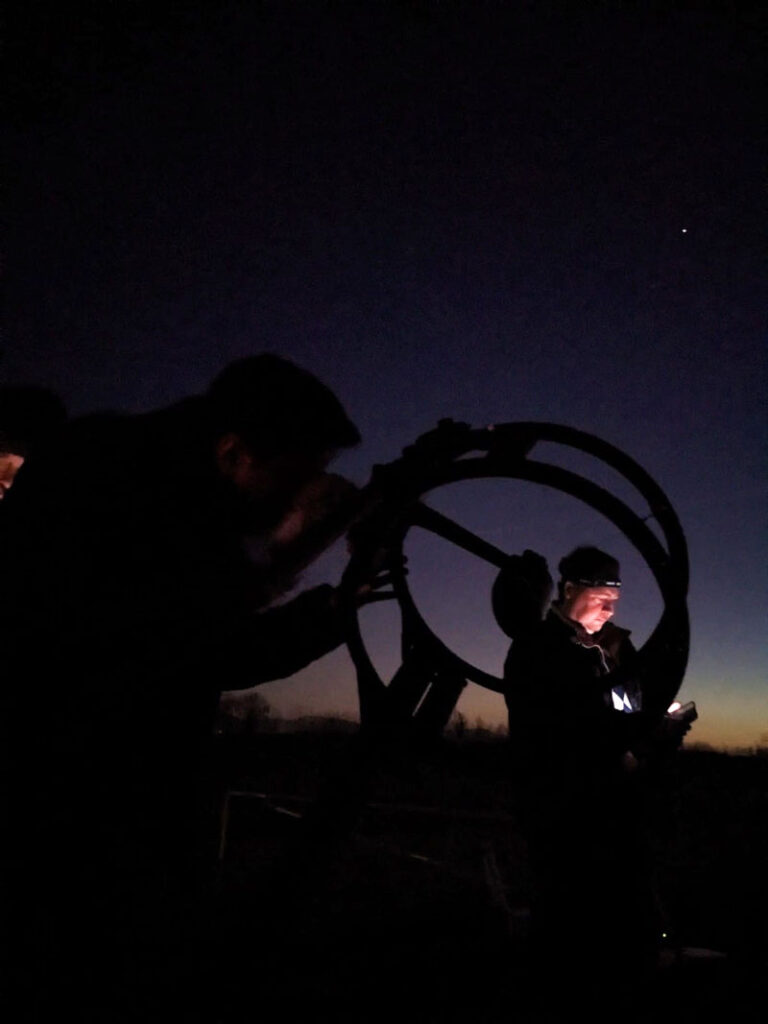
426	687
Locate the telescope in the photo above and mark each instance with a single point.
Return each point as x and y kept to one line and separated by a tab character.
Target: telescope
426	687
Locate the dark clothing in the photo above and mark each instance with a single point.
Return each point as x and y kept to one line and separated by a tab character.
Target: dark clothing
571	749
561	716
129	604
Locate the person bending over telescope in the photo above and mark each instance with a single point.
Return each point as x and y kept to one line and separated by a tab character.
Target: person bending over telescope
132	605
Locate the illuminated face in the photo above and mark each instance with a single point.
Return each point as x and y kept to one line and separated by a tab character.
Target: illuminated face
10	464
591	607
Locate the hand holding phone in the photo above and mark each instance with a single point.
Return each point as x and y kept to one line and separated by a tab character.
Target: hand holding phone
683	712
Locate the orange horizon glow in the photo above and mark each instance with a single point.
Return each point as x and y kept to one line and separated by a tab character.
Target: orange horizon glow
328	689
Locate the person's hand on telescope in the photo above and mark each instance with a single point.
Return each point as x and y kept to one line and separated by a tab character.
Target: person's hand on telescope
372	589
368	593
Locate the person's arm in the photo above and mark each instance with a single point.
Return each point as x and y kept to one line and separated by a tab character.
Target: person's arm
248	648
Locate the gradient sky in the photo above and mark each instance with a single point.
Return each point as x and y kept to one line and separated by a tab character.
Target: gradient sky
492	212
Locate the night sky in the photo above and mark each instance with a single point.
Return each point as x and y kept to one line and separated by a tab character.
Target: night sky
487	211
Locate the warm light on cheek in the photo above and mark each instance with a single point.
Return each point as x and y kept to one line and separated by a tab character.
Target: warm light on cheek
10	464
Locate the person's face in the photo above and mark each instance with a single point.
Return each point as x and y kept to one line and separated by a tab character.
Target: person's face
10	464
591	607
268	486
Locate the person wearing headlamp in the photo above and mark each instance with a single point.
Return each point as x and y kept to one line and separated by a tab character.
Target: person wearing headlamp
579	734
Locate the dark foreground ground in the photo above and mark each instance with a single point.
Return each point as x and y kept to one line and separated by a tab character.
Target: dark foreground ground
413	908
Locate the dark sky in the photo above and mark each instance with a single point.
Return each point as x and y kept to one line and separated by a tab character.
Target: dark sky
487	211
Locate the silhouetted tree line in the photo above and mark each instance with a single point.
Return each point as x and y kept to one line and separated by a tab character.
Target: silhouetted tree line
244	713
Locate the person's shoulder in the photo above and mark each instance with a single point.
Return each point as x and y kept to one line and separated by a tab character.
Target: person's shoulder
553	629
182	417
95	458
533	646
532	635
158	441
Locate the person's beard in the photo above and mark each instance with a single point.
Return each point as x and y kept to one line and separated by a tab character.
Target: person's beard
253	516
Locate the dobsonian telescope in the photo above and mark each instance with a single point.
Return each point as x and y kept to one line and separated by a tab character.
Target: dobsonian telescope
416	704
424	690
412	708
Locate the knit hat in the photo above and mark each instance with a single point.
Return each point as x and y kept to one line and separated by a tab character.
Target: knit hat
590	567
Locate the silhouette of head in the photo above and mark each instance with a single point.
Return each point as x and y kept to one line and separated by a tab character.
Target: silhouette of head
276	428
